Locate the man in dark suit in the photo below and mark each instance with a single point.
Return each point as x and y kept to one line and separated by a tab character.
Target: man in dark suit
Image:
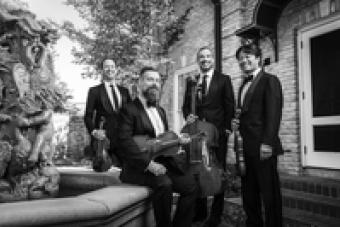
105	101
144	116
215	104
260	99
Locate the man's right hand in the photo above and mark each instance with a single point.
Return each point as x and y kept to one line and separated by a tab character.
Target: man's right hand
235	124
156	168
99	134
191	118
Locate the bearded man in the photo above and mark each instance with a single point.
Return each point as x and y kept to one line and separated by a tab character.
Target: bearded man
141	117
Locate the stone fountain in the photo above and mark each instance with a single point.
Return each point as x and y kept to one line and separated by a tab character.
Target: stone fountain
28	97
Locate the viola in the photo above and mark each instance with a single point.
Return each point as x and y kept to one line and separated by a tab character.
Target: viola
166	144
238	148
201	155
102	161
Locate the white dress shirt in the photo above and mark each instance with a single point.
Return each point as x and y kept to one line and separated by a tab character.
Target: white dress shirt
154	117
109	93
209	76
247	85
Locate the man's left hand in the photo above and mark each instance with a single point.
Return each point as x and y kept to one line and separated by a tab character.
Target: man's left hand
266	151
184	138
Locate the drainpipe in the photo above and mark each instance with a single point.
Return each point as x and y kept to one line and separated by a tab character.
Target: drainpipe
218	34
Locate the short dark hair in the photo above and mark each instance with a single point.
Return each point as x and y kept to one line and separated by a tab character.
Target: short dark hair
147	68
203	48
101	62
249	49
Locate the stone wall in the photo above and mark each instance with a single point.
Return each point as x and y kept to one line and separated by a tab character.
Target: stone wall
199	31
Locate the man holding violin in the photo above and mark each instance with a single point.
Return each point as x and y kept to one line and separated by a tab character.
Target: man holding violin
164	174
215	104
104	102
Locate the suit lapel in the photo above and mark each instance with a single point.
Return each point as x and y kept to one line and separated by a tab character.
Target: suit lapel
250	92
105	99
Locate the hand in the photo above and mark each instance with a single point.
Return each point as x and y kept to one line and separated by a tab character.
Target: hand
266	152
156	168
191	118
235	124
99	134
184	138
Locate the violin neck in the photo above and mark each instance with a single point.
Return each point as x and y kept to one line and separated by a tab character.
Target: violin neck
166	144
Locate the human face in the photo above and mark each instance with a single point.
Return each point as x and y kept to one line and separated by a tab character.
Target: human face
150	85
109	70
205	60
248	62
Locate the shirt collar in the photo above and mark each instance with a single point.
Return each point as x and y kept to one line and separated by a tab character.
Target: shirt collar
256	72
209	73
109	83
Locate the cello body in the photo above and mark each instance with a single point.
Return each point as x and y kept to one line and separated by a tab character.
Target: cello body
201	153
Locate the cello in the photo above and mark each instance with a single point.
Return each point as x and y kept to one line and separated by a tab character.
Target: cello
201	152
102	161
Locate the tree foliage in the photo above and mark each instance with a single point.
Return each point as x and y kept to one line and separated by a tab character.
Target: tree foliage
131	32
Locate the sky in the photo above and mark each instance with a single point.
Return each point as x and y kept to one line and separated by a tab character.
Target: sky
65	68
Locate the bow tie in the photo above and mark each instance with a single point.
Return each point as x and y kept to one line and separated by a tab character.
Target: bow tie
248	79
150	104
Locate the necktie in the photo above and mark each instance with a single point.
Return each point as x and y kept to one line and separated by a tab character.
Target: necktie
204	85
115	99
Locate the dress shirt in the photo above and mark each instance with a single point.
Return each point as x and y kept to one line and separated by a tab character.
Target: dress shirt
247	85
209	76
154	117
109	93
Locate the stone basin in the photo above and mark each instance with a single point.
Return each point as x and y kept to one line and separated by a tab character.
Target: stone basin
86	198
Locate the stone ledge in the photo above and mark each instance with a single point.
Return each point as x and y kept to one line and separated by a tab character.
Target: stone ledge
115	204
76	180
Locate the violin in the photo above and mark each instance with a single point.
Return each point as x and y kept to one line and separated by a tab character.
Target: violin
201	156
238	148
102	161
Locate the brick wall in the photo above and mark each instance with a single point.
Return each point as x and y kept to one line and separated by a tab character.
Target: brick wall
199	31
237	14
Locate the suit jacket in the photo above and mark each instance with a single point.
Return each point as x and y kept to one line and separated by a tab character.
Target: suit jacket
218	106
261	114
98	105
135	121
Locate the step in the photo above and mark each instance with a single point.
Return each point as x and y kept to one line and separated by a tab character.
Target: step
312	185
311	203
299	218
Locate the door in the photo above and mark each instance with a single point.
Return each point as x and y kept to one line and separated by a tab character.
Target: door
179	89
319	79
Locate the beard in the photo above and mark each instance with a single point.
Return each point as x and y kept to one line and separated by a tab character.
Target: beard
152	95
206	66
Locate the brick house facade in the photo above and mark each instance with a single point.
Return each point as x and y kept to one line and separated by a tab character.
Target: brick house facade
236	15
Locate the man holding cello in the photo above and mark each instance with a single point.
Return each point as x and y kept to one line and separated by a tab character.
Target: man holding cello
214	104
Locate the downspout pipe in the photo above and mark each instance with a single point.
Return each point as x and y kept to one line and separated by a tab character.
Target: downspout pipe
218	34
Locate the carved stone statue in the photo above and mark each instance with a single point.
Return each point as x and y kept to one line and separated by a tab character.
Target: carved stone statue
28	98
